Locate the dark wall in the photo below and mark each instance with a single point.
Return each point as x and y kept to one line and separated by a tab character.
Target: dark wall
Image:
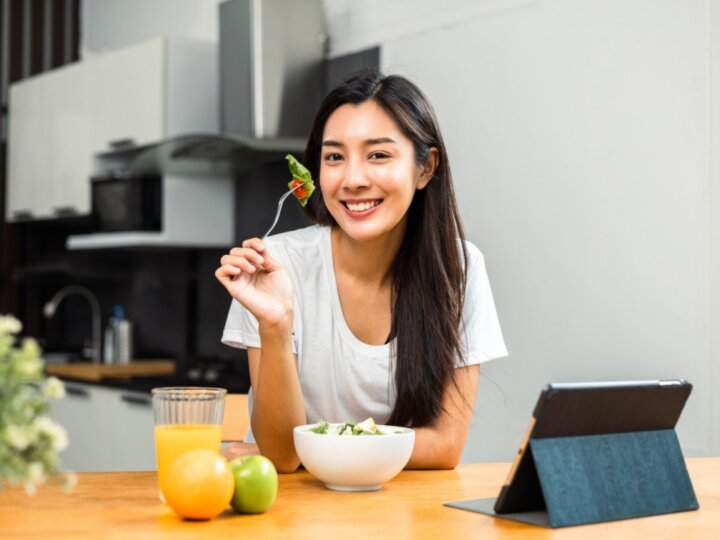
29	47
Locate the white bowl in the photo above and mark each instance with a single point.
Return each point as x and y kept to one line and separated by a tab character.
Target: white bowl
354	462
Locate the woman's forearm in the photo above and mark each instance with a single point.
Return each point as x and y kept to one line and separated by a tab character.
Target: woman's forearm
435	449
440	445
278	404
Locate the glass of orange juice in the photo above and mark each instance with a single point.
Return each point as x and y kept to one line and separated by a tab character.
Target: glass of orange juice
186	418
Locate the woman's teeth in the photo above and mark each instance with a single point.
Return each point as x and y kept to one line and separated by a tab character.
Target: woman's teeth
361	207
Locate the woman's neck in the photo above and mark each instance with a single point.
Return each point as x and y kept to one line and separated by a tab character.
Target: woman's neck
370	261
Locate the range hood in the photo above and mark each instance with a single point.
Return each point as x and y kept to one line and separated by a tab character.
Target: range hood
198	174
271	66
271	82
201	154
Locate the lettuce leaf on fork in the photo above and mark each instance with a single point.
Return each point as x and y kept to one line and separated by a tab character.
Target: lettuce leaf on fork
300	176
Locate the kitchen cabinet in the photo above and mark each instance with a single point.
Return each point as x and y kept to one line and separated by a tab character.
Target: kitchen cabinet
83	412
128	99
132	419
153	90
109	429
31	103
68	143
48	144
59	120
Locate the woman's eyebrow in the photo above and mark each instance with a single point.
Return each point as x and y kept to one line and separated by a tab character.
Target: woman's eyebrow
332	143
368	142
380	140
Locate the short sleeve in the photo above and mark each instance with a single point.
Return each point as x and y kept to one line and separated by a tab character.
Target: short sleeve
480	333
241	328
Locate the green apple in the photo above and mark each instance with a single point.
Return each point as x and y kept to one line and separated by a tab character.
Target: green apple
256	484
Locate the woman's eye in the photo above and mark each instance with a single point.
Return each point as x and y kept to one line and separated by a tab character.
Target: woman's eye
379	155
333	157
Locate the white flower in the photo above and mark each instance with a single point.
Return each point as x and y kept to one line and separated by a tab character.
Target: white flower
57	435
9	325
29	439
22	399
19	437
28	368
6	342
60	442
54	388
30	349
36	473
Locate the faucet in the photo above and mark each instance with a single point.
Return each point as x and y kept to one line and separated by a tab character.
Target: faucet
50	308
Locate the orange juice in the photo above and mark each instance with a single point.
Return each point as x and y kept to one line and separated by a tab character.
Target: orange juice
171	440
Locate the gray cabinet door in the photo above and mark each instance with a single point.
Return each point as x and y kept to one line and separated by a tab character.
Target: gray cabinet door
134	436
83	412
108	429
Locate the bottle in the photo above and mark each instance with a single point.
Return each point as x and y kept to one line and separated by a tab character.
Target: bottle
109	342
122	334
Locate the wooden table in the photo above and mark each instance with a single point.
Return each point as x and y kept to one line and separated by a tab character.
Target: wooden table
125	505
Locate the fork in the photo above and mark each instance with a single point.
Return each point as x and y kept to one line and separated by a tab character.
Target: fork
277	215
279	209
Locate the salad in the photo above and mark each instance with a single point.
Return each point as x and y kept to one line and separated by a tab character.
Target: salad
302	182
366	427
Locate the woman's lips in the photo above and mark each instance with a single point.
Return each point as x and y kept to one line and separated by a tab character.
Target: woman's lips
361	208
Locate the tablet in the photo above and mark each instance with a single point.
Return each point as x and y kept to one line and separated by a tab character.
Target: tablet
568	409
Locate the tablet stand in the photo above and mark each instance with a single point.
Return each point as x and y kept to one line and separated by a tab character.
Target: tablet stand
594	478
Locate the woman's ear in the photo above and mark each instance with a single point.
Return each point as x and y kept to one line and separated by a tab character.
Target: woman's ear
427	169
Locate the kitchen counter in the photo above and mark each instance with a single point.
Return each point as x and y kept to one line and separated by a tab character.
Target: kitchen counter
125	505
144	375
144	378
146	384
92	371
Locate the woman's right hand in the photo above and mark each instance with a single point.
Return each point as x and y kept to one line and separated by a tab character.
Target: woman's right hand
258	282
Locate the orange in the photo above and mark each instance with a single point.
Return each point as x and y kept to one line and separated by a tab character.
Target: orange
173	440
199	484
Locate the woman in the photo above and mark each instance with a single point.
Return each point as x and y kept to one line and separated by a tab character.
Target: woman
373	312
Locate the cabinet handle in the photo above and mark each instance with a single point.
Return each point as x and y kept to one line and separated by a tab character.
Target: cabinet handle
77	391
65	211
136	400
22	214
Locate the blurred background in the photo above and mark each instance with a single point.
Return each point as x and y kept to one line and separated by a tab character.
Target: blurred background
584	143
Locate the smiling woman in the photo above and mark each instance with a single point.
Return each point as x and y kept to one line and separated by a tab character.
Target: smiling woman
368	181
380	310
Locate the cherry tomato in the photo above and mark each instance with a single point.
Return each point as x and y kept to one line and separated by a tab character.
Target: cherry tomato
300	192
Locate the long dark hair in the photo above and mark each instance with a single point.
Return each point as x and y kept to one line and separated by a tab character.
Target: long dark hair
429	274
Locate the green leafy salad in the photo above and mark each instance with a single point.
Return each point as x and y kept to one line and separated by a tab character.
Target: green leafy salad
302	183
366	427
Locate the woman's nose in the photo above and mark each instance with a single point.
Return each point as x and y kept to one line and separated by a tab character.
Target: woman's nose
355	176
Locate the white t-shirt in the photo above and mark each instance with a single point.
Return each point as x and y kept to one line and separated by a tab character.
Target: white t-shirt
342	378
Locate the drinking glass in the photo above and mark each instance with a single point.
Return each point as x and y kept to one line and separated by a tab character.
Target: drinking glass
186	418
